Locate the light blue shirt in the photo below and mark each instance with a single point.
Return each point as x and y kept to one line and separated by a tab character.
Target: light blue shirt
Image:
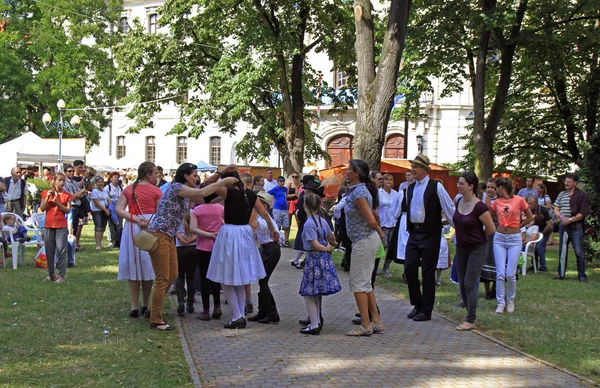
417	206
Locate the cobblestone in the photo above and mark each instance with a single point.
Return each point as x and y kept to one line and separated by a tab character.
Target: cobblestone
407	354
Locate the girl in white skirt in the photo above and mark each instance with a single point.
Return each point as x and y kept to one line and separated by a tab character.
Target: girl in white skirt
235	258
444	257
136	205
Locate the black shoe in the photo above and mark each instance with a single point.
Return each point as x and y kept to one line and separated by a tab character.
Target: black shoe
260	315
421	317
70	265
582	280
190	309
308	330
357	321
301	265
134	313
543	270
298	266
413	313
180	309
271	317
145	312
558	277
237	324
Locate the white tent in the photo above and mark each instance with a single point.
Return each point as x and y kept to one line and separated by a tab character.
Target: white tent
29	148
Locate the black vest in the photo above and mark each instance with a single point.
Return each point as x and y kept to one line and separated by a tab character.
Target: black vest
9	182
433	209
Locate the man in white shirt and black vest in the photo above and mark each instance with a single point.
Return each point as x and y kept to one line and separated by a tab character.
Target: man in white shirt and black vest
16	190
425	198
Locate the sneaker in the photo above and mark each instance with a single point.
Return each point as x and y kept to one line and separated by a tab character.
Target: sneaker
461	305
510	306
111	245
500	309
204	316
387	273
286	244
438	283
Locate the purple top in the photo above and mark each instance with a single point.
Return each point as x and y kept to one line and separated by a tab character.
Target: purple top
170	212
469	228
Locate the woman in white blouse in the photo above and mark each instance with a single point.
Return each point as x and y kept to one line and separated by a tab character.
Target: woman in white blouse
388	203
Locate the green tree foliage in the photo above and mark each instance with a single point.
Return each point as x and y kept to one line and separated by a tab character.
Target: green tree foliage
51	51
241	63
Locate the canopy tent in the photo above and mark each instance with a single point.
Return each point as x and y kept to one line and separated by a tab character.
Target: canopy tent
203	166
30	148
102	163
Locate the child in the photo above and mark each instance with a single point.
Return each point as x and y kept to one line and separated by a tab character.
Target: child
319	277
444	257
185	244
56	202
12	226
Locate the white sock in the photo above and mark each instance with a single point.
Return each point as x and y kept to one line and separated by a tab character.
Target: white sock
312	308
297	258
231	296
241	299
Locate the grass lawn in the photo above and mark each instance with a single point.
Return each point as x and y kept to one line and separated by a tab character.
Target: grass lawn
557	321
53	334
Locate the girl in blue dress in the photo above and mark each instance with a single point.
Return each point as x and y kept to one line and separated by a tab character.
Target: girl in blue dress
319	277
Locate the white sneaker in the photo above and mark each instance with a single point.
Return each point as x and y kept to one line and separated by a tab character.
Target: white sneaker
510	306
500	309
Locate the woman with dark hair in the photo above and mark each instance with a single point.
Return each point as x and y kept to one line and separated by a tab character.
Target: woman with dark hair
115	223
100	212
488	271
366	235
173	206
470	217
137	204
507	210
236	260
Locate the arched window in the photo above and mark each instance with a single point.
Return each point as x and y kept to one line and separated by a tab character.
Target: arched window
150	149
120	147
181	149
215	150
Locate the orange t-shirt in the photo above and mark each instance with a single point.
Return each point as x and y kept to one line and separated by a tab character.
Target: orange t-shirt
509	211
55	218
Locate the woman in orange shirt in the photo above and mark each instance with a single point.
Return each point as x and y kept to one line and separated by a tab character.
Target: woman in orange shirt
56	202
507	209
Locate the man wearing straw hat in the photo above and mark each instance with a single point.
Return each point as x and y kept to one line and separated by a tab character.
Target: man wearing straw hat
425	198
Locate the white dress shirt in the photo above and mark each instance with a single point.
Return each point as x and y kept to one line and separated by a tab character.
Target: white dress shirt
417	206
14	191
386	208
337	209
262	232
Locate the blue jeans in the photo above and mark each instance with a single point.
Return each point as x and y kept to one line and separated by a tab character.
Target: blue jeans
540	252
507	250
575	236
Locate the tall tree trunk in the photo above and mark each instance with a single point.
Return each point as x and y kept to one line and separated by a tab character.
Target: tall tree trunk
376	90
481	161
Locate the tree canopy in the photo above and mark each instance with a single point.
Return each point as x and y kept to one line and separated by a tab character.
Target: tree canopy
235	62
51	51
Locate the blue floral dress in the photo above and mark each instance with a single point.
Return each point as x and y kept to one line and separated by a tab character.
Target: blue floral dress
319	276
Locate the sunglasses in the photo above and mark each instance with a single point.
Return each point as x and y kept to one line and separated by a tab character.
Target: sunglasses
70	170
295	176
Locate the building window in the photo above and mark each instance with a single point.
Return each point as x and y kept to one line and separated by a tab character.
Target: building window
123	25
341	79
153	23
181	149
150	149
120	147
215	150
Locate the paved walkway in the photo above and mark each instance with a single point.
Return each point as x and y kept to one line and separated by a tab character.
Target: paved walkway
407	354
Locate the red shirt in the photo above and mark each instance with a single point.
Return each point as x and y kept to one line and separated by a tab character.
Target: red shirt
210	219
509	211
147	196
55	218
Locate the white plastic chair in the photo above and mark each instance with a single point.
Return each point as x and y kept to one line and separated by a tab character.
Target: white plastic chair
529	250
18	248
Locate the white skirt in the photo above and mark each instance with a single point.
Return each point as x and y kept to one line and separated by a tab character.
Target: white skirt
235	259
443	258
134	264
402	238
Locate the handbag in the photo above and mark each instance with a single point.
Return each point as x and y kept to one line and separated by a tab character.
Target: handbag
144	240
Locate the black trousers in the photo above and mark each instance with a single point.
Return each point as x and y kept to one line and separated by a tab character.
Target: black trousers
207	286
270	257
187	263
422	249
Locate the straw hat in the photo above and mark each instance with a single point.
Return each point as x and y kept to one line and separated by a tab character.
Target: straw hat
266	198
422	160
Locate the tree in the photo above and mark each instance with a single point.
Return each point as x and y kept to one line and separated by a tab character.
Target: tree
240	62
56	51
377	77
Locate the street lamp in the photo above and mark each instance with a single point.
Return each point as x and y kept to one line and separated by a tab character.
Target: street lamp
420	143
60	125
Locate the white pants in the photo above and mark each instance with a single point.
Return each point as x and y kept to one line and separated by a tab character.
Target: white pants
507	249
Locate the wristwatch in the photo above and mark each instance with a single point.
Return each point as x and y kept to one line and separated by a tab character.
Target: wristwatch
570	219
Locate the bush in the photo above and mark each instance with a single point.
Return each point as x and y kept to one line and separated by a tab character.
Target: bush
591	177
41	184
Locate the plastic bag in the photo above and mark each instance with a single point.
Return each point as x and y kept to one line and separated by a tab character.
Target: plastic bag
40	258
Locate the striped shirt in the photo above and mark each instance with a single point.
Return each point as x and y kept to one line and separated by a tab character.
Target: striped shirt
562	202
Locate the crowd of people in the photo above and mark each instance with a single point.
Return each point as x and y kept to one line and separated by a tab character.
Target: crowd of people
223	232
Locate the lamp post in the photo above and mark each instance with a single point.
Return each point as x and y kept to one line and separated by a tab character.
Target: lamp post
420	143
60	125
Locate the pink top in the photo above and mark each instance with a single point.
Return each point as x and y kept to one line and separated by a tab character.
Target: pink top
147	196
210	219
509	211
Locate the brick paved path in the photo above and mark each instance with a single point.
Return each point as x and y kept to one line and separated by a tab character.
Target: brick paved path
428	354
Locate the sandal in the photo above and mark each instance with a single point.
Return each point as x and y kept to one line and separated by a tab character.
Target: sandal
361	332
163	326
134	313
145	312
377	327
